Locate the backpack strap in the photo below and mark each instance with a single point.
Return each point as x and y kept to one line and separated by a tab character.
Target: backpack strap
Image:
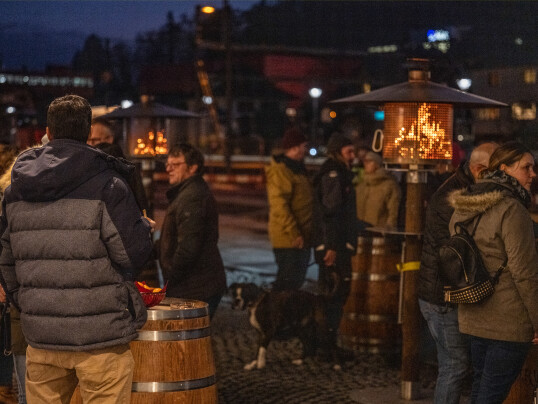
462	225
495	278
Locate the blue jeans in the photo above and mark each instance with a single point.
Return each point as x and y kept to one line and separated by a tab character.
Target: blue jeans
20	371
452	351
496	365
292	265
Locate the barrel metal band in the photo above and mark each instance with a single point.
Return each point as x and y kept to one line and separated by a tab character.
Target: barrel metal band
373	318
156	387
178	335
409	266
177	314
374	277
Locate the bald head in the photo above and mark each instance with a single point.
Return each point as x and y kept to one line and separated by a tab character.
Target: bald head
479	159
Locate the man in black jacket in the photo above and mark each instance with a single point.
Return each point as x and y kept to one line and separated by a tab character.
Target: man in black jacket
442	318
335	219
71	233
188	253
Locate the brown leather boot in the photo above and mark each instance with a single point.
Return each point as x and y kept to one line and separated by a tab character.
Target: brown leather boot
7	395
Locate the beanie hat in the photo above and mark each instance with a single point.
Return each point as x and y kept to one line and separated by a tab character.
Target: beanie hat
372	156
336	142
293	137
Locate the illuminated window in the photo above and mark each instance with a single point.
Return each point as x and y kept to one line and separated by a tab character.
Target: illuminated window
488	114
529	76
494	79
367	87
524	111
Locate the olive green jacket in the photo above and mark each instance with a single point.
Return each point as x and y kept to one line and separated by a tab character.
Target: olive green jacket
290	197
378	199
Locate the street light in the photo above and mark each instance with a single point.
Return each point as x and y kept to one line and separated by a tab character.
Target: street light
226	39
315	93
464	84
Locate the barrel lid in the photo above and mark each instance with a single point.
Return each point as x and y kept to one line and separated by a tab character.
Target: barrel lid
175	308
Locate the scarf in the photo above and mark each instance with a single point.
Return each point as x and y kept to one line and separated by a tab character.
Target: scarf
500	180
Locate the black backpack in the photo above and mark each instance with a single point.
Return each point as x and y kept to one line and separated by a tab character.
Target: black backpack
461	269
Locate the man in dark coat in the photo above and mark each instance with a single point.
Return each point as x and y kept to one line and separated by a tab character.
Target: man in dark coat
71	233
188	252
335	219
442	318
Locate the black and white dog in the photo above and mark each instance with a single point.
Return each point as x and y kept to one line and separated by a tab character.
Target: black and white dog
291	312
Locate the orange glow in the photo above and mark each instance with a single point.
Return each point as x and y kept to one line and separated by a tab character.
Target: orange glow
152	145
417	132
332	114
208	9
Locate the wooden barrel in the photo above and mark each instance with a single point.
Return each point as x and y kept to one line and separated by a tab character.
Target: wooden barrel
173	356
523	389
370	319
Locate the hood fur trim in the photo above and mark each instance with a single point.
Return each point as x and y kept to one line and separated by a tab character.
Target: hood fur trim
463	202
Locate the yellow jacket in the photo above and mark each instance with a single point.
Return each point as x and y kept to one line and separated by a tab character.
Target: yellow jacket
290	197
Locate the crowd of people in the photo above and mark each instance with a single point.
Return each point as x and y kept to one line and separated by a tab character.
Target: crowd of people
75	234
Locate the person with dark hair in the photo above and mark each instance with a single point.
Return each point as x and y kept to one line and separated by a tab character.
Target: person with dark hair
290	197
102	132
502	327
188	250
442	318
70	231
336	226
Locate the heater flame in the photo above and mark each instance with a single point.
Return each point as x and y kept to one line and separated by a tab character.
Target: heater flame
152	145
424	139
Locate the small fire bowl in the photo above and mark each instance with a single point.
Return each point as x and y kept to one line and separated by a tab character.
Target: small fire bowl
152	299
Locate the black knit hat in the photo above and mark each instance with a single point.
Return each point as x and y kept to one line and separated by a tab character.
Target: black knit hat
293	137
336	142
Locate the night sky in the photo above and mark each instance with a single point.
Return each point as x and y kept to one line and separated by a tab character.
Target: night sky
35	33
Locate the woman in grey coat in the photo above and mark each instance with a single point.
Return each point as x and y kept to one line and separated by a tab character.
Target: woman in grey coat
502	326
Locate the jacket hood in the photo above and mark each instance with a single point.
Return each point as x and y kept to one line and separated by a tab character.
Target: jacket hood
50	172
465	202
295	166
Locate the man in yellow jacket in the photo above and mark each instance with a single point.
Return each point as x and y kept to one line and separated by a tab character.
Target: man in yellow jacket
290	196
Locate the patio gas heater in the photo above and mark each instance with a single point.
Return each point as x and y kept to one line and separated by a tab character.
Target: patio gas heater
417	135
148	135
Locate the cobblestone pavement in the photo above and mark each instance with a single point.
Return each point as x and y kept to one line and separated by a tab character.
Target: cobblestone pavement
234	345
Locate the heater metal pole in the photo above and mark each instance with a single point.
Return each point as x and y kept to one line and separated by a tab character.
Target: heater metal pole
410	388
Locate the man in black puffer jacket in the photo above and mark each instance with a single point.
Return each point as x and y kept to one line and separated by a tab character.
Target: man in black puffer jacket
336	224
71	234
442	318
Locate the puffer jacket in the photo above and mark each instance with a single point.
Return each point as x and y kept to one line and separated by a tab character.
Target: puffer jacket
504	231
378	199
188	253
335	215
290	197
71	232
436	233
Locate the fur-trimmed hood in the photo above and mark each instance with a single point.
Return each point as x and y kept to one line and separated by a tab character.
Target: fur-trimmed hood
465	202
